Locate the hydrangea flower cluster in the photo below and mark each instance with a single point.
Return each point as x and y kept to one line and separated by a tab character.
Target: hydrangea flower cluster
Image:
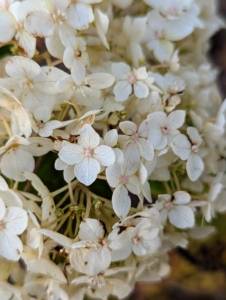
121	97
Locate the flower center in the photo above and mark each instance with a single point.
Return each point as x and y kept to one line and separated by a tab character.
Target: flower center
124	179
1	225
135	137
88	152
165	130
195	148
136	240
132	79
168	205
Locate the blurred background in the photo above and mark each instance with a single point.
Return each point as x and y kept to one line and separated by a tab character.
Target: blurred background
198	272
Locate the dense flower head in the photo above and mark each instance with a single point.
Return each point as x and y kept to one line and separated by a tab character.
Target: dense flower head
99	100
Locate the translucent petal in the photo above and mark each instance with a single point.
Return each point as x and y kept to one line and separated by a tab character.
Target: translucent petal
175	119
121	71
20	67
47	79
39	24
98	260
88	138
128	127
181	146
86	171
14	162
100	80
111	138
79	15
121	201
172	33
2	209
194	167
26	42
7	26
113	174
78	71
181	197
140	89
91	229
71	154
15	220
122	90
104	155
11	246
181	216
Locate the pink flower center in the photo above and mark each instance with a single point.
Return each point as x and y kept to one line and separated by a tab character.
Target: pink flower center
125	179
159	35
165	130
1	225
136	240
88	152
132	79
195	148
168	205
135	137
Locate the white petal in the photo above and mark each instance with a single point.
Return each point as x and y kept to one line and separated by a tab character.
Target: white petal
86	171
78	71
113	174
59	238
20	67
111	138
194	167
54	44
69	173
133	185
39	24
88	138
3	185
175	119
172	33
104	155
146	149
156	137
128	127
39	146
32	99
47	79
11	246
98	260
14	162
102	23
100	80
2	209
121	71
122	90
181	216
91	229
79	15
15	220
181	197
140	89
26	42
121	201
119	156
181	146
7	26
71	154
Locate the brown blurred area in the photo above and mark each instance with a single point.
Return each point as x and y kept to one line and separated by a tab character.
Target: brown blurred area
199	272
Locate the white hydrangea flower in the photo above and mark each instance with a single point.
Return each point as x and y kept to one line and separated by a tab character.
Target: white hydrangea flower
124	178
87	155
13	222
176	209
137	136
34	85
163	128
161	33
127	80
187	148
